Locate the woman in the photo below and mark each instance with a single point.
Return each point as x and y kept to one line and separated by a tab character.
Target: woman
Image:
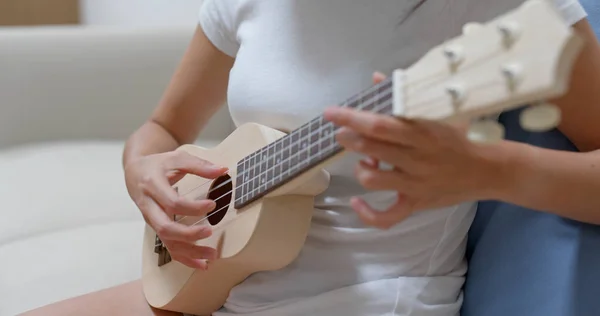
279	63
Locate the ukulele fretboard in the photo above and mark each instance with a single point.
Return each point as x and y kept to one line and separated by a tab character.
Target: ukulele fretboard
305	147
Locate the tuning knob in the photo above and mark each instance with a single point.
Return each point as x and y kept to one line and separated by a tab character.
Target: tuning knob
454	54
486	131
510	31
471	27
540	117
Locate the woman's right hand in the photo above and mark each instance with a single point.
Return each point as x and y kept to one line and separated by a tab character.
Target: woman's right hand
149	181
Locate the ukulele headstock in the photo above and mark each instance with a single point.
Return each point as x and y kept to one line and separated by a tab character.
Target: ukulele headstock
519	58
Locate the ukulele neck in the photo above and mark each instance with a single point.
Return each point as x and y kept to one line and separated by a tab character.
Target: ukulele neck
311	144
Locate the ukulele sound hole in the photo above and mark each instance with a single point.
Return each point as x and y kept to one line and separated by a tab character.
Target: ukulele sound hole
220	192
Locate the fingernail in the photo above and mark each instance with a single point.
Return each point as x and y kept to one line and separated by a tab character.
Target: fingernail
212	205
219	168
207	230
370	162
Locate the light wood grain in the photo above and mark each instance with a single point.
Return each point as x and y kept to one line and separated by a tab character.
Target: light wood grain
38	12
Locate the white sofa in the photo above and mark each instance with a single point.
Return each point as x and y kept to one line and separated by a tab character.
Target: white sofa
69	97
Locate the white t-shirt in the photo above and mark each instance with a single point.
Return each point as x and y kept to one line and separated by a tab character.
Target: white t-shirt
294	58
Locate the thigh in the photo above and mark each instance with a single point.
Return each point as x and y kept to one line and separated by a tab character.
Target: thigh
123	300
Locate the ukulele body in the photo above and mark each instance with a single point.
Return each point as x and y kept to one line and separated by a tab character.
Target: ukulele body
265	235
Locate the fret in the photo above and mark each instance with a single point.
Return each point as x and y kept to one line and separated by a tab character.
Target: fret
278	163
246	178
354	103
315	132
383	105
367	100
295	142
247	164
270	165
285	155
303	147
263	169
239	189
255	173
327	137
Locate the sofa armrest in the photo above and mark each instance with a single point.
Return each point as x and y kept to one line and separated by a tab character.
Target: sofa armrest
78	82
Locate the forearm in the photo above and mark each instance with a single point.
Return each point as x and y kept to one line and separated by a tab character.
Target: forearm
150	138
196	92
558	182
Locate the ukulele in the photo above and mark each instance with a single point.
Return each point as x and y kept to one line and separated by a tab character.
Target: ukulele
265	203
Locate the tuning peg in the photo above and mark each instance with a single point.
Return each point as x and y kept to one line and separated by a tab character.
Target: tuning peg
454	54
457	93
510	31
485	131
540	117
471	27
513	72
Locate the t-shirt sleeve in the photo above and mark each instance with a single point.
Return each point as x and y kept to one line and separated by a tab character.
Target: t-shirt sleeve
571	10
217	19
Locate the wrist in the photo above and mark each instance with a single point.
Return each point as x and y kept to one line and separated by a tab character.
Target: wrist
503	167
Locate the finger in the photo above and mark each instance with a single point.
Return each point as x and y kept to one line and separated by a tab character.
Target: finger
378	77
192	263
158	188
371	162
376	126
174	176
381	219
192	251
384	180
188	163
398	155
167	229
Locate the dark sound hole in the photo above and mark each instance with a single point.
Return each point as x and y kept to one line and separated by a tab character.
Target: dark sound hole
220	192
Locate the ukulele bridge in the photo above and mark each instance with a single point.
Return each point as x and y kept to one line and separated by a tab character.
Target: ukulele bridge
164	256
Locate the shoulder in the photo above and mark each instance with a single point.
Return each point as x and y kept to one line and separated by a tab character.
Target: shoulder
219	20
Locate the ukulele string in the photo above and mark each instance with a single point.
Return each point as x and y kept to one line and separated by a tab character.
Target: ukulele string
376	107
368	91
427	86
379	107
215	200
344	104
386	103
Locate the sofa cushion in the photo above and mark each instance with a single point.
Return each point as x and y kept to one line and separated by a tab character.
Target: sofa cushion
68	225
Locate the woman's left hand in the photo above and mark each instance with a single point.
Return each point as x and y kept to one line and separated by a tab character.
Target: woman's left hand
435	165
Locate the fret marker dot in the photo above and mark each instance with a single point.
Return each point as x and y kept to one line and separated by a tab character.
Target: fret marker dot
278	160
262	180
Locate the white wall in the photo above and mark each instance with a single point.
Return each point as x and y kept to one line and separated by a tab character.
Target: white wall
140	12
